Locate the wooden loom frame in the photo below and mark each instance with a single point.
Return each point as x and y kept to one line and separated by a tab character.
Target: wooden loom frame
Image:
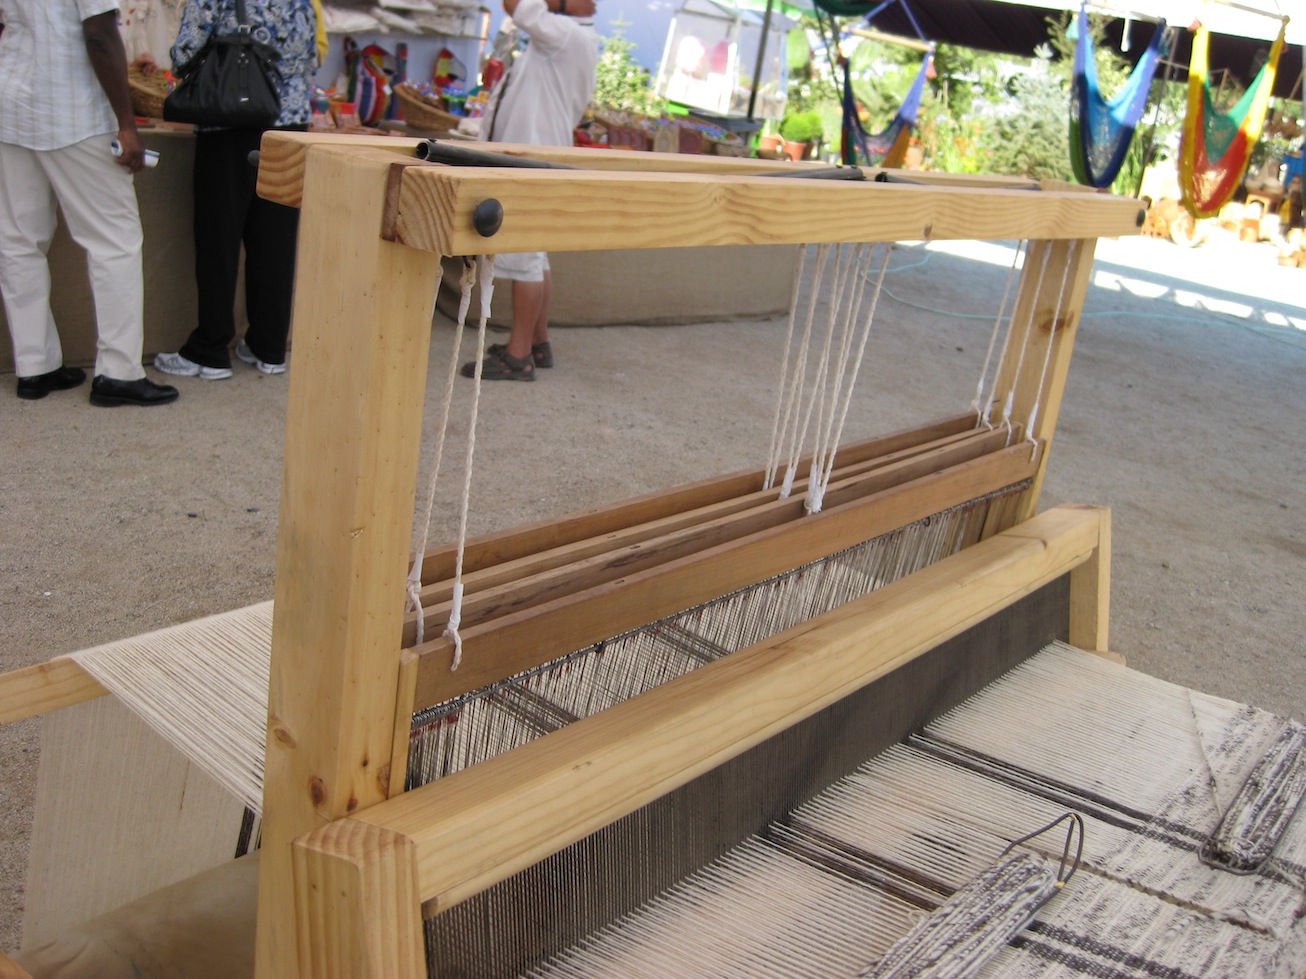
343	872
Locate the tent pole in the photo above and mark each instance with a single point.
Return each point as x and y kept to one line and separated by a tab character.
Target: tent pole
761	55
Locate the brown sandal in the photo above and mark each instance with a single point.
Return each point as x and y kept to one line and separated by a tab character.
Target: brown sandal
502	366
541	353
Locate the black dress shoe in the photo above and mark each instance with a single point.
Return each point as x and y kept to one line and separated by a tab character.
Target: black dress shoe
108	393
59	379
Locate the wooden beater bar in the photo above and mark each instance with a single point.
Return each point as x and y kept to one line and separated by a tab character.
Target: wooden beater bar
374	224
360	879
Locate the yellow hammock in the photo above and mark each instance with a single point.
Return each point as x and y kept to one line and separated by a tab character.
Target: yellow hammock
1216	146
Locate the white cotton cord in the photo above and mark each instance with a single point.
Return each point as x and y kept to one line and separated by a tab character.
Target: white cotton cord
1010	401
792	436
414	586
456	605
814	401
773	453
1075	246
981	406
816	404
455	620
487	285
865	332
465	294
852	286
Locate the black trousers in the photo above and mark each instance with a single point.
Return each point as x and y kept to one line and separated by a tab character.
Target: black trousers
228	213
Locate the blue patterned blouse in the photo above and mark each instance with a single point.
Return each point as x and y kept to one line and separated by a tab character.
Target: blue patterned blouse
290	26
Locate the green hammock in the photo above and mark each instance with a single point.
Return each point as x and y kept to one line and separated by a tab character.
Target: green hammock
1216	146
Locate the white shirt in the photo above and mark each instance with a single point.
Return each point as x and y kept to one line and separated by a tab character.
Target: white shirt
49	95
552	82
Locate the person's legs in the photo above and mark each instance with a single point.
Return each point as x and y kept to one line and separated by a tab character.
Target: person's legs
530	317
27	223
270	240
541	334
531	286
98	199
224	190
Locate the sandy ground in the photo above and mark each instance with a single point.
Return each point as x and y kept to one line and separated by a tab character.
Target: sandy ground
1183	414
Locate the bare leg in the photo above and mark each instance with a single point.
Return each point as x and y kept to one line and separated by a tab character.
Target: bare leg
530	315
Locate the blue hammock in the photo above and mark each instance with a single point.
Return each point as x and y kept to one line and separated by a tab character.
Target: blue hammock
1101	131
887	148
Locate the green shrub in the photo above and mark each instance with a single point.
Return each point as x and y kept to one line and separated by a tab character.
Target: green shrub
802	127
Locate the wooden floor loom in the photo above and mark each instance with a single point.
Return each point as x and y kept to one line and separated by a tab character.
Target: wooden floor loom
728	767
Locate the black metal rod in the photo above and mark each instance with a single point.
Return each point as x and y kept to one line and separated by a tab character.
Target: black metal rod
817	173
457	155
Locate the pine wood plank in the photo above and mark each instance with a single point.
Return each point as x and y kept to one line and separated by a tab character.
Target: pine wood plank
43	687
481	825
1090	596
281	163
519	542
1047	315
570	210
359	913
524	639
362	315
524	584
612	540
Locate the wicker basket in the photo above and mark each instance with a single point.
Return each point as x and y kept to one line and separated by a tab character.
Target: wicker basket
421	111
148	91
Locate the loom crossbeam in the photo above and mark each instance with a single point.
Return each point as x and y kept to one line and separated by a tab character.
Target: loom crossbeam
731	516
521	542
706	565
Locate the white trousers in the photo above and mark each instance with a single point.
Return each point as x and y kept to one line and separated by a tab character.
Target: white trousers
98	199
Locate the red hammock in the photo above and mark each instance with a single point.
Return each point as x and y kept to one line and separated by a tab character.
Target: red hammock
1216	146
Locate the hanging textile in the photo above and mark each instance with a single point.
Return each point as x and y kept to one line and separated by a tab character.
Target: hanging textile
1101	130
888	148
1216	146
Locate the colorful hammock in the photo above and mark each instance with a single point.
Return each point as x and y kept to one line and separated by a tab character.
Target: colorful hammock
1101	131
887	148
1216	146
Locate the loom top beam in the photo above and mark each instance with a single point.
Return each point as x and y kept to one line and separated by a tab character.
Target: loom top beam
433	207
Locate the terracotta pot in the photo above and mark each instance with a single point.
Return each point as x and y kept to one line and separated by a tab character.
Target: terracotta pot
768	144
795	151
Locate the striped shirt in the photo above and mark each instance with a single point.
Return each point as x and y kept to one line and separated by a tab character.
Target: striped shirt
49	95
289	26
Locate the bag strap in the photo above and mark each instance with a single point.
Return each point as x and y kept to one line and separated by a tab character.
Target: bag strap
241	18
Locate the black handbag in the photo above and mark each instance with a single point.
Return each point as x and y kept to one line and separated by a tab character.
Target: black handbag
233	82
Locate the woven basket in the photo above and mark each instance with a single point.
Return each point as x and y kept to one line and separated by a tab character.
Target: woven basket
147	91
421	111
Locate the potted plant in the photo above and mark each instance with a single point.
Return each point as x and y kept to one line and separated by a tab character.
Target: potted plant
799	130
769	142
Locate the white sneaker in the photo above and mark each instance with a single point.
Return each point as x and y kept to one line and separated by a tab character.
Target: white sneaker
247	355
177	364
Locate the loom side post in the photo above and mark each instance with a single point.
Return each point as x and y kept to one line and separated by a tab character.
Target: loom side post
1053	285
362	880
362	324
1090	595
